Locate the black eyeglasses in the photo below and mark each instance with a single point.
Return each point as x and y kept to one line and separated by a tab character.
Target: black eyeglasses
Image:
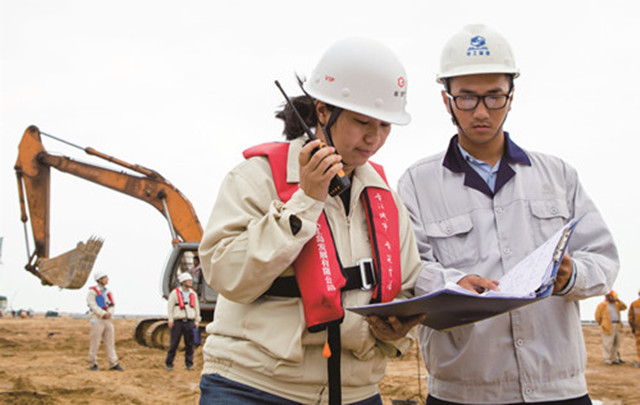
469	102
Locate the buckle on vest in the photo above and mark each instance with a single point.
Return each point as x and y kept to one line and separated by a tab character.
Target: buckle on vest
367	273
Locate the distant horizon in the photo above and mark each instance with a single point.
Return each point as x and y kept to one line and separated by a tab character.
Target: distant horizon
125	316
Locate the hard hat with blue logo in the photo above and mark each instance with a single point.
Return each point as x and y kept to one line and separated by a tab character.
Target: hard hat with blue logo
362	75
476	49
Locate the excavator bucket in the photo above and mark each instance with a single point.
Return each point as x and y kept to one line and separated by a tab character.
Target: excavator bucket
71	269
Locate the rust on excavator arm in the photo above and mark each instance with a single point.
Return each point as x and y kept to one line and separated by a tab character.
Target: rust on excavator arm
33	171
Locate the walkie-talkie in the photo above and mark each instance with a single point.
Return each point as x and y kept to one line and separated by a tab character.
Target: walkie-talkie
340	182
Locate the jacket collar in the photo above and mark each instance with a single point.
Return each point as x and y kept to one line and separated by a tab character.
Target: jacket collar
513	154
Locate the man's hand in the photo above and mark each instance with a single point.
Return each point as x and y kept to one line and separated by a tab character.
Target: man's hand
478	284
392	328
170	324
564	273
317	171
106	315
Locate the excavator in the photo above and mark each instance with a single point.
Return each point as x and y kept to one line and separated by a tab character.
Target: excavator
71	269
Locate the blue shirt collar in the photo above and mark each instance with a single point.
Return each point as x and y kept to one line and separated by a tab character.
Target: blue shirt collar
513	154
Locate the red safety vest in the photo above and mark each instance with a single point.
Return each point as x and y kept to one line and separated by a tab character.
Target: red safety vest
109	297
317	269
192	298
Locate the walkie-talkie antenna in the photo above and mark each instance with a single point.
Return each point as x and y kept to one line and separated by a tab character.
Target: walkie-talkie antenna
340	182
295	110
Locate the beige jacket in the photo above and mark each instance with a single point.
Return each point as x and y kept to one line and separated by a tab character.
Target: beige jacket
262	341
175	312
604	318
98	313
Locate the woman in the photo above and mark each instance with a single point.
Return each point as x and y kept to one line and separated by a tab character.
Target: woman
287	257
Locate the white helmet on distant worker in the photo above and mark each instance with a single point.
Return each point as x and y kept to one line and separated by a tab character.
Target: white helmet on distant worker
476	49
184	277
364	76
99	274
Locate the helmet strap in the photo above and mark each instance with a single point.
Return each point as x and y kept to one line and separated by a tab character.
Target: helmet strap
326	129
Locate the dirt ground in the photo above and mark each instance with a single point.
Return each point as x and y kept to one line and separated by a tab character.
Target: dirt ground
43	361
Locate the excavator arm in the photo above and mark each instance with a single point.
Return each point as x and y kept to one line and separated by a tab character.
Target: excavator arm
71	269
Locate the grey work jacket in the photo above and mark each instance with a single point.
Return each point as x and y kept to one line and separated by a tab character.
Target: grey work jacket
535	353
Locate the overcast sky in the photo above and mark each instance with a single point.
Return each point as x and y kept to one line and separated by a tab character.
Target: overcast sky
184	87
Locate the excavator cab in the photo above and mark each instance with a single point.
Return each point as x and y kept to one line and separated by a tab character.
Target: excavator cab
181	260
155	332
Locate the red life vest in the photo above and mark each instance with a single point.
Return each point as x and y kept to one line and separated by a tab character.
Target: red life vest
192	298
106	305
318	263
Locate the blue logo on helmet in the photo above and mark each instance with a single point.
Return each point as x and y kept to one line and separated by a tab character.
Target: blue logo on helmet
478	47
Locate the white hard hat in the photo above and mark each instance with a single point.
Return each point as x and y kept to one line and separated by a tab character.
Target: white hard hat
364	76
476	49
184	277
99	274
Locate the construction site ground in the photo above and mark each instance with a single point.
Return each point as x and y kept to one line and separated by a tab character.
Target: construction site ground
43	361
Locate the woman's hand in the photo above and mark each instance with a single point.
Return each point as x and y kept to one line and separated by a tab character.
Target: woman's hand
317	170
392	328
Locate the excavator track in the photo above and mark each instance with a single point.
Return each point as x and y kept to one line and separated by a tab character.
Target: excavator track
158	335
140	329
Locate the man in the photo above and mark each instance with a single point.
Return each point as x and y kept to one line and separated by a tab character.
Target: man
196	274
183	310
102	306
478	209
634	323
608	317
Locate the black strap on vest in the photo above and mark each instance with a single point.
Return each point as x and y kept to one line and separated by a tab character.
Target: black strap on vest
333	364
361	276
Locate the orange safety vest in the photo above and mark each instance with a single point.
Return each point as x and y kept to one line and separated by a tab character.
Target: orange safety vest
99	301
317	269
192	298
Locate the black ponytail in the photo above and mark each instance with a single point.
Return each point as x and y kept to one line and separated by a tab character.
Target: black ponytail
292	127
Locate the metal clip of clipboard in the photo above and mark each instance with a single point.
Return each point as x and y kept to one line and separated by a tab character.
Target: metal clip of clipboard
562	245
558	253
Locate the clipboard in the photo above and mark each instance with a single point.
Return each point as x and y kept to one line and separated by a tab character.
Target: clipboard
454	306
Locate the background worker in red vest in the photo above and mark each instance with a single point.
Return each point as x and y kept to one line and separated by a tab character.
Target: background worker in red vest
102	306
183	311
608	317
288	257
634	323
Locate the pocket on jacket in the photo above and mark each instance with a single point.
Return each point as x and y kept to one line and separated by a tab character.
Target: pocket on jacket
550	215
453	241
442	349
274	326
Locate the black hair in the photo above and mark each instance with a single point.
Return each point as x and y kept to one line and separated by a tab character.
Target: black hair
447	82
306	108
